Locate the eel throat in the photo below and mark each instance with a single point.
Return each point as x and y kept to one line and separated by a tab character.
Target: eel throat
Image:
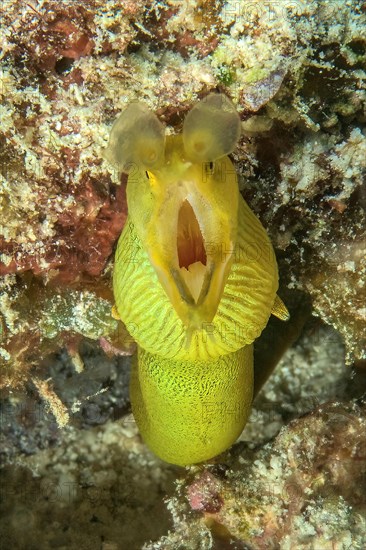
191	251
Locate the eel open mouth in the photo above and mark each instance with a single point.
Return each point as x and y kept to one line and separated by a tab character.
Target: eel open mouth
191	250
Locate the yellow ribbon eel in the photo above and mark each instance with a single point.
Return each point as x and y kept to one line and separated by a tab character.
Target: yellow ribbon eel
195	279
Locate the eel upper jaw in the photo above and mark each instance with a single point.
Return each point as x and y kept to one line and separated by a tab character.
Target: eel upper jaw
195	272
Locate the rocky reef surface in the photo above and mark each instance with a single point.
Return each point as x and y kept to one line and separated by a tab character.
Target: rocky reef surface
293	493
296	72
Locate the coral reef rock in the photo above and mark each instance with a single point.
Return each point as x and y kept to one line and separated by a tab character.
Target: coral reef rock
304	490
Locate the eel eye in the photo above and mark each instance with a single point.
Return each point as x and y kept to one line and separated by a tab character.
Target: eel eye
211	129
137	139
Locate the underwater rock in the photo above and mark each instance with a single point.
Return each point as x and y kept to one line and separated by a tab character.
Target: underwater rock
38	319
98	488
80	243
323	182
304	490
60	211
90	398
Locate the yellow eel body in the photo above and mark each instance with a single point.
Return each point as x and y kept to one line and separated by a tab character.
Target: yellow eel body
195	280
